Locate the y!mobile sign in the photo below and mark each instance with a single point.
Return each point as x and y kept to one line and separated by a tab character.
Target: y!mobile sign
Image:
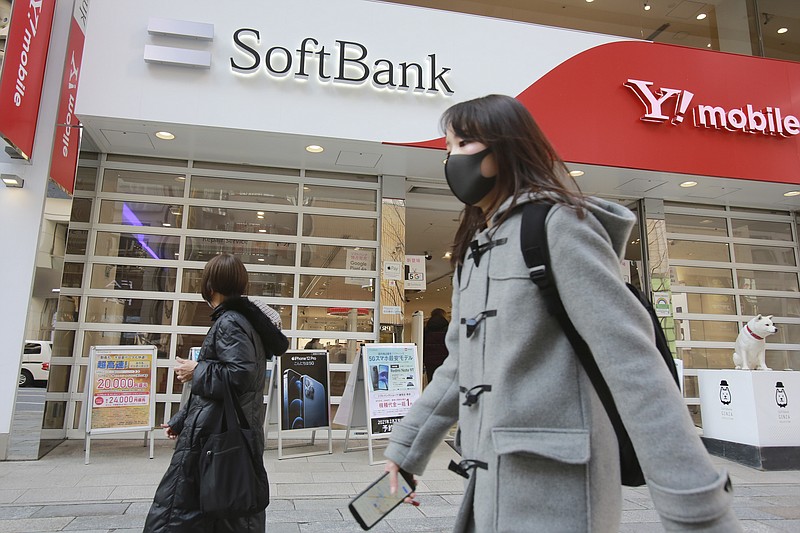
64	159
23	72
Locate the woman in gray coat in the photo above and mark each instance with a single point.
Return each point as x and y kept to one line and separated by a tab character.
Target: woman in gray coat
236	347
539	451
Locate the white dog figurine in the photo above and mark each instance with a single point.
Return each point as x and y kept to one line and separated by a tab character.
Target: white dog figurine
750	344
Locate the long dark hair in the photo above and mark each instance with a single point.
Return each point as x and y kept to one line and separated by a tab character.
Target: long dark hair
526	161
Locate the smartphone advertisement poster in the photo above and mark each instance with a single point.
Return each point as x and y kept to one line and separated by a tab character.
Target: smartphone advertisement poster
305	390
392	381
122	392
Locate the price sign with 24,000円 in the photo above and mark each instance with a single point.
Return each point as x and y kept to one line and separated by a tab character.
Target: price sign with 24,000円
123	389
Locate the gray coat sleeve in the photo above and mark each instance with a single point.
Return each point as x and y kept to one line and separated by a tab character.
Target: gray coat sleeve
687	490
415	437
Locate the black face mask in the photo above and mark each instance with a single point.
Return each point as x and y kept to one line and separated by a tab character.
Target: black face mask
463	173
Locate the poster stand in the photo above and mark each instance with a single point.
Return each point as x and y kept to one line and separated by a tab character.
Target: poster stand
378	402
121	393
298	400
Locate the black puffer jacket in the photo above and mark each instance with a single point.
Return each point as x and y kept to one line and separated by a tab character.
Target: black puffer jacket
238	344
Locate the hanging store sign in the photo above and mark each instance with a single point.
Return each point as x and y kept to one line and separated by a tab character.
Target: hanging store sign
22	73
64	159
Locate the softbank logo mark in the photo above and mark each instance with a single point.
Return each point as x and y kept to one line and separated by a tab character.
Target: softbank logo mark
665	104
173	55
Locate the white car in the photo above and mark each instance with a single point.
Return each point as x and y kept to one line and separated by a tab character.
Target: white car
35	362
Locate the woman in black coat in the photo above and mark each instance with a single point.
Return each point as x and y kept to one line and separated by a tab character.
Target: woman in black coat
238	345
434	350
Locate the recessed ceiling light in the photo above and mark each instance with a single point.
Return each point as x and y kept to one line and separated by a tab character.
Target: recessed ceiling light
576	173
166	224
783	30
259	212
646	6
314	148
262	231
589	1
165	135
261	259
701	16
792	193
447	255
56	290
688	184
708	45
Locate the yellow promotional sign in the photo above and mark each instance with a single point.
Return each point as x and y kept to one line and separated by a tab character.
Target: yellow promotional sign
122	393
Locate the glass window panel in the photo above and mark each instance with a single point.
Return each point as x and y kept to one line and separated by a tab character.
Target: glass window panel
696	224
764	255
129	311
705	358
161	379
786	334
133	277
81	210
255	169
186	342
253	252
285	312
139	245
81	385
127	338
177	386
194	314
160	413
77	419
85	179
711	304
149	183
765	305
63	343
269	284
140	214
238	190
58	378
362	178
698	251
68	307
161	161
760	229
340	198
340	227
242	220
332	318
54	413
760	211
767	281
323	256
783	359
76	241
703	277
72	276
708	330
337	288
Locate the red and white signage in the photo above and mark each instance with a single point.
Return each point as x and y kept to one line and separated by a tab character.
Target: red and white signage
64	160
23	72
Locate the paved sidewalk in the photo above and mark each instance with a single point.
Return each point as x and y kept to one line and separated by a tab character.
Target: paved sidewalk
309	495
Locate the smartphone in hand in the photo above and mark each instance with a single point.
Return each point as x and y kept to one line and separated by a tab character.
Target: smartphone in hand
375	502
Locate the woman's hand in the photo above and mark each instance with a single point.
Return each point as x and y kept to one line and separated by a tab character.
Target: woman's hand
394	470
168	432
184	369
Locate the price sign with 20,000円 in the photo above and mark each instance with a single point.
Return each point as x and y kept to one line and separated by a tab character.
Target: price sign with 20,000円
123	389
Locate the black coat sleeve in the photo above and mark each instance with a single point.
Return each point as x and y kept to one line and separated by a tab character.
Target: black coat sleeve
236	357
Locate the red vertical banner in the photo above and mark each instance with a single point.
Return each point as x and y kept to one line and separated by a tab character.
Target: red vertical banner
64	160
23	72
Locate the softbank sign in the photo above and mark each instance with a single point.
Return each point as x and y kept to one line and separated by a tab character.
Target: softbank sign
665	104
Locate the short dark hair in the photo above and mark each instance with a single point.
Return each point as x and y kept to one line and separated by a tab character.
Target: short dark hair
224	274
439	312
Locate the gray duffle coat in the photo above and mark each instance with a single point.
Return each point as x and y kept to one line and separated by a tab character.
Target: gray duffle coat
545	456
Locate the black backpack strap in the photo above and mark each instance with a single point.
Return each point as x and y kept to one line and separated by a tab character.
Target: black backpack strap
533	241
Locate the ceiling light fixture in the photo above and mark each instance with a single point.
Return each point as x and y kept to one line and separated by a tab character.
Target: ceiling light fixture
12	180
687	184
783	30
576	173
447	255
314	148
165	135
56	290
701	16
708	45
646	6
792	193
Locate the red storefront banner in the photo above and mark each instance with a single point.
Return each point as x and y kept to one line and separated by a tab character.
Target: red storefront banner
64	160
23	72
665	108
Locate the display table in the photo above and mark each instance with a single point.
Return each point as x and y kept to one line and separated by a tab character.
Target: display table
752	416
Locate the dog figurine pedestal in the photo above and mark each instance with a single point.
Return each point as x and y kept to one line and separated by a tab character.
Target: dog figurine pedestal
752	417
